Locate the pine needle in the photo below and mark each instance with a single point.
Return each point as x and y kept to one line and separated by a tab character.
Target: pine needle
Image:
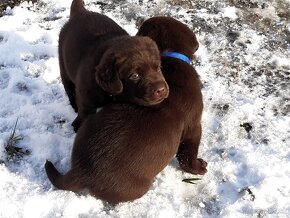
191	180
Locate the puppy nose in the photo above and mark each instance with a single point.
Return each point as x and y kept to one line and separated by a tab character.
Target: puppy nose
160	90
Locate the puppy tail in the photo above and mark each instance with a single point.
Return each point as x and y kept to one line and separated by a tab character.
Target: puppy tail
77	6
64	182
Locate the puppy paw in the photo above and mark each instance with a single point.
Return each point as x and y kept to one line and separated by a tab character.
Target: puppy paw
202	162
197	167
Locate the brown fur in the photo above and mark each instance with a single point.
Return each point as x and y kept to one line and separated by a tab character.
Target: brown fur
118	151
99	59
161	30
171	35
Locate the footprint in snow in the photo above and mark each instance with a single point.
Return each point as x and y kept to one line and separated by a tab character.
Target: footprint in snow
4	78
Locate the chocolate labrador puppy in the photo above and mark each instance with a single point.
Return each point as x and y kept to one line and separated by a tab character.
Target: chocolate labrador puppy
177	42
98	60
118	152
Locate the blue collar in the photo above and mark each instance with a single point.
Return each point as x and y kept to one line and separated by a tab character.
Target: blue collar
176	55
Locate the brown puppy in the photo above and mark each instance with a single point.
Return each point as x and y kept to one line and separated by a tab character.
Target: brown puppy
173	36
118	151
99	59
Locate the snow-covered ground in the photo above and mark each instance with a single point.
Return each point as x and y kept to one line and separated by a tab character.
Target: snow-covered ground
244	64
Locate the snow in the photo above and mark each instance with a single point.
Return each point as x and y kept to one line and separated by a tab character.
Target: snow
243	62
230	12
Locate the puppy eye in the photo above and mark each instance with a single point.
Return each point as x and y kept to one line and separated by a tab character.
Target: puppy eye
134	76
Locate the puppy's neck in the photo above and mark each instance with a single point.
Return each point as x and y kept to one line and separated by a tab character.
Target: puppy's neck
176	55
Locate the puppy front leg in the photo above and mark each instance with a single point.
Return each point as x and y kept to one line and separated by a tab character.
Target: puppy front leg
85	108
188	150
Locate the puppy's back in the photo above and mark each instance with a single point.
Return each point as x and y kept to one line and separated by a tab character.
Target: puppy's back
126	135
84	32
170	35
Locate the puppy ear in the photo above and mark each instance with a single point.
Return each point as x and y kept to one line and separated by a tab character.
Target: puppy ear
195	43
106	75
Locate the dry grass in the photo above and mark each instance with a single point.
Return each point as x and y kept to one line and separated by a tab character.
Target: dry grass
11	148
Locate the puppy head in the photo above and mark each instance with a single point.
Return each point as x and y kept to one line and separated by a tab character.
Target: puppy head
170	35
130	70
